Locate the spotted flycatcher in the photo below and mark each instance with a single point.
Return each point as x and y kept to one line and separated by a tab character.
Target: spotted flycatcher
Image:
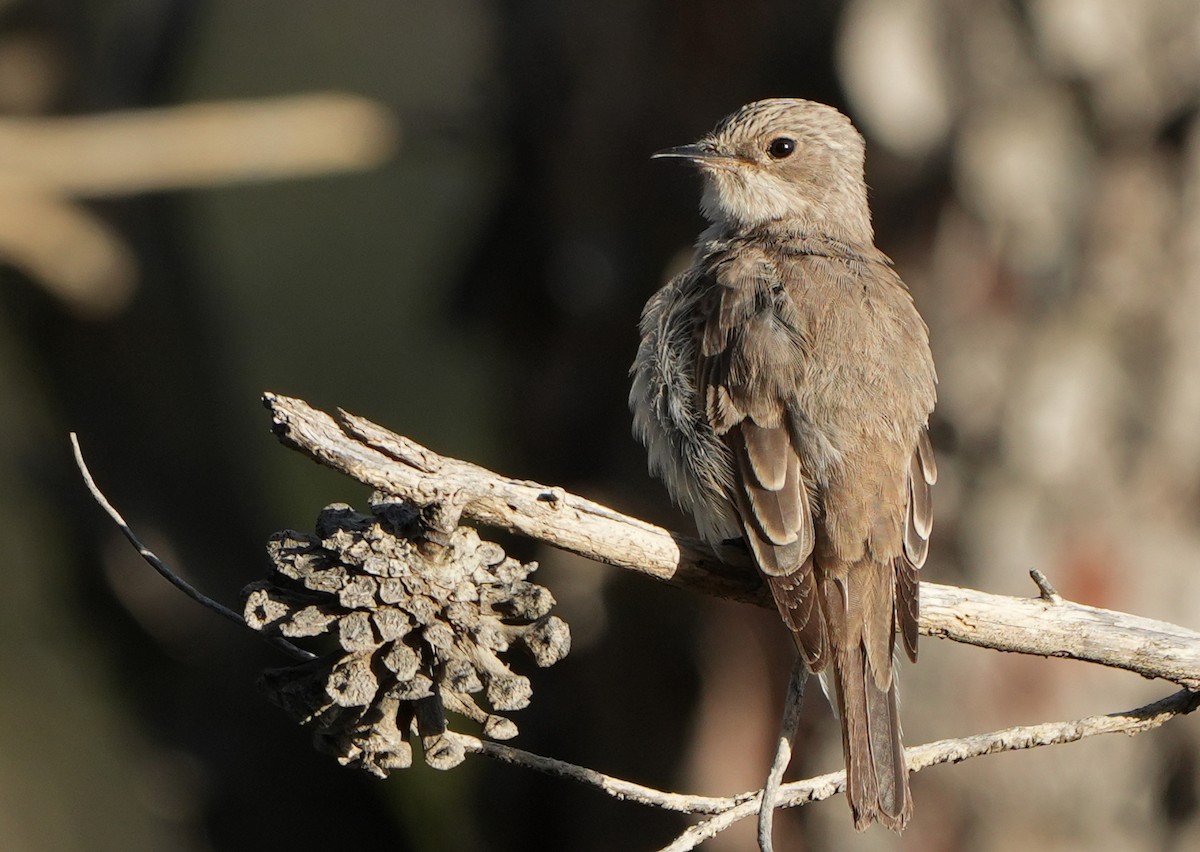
783	388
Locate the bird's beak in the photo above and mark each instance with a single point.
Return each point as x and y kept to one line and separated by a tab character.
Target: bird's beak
701	153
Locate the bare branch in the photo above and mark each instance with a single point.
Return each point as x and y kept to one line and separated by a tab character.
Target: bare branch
607	784
729	810
783	753
955	751
1045	625
1049	594
161	567
399	466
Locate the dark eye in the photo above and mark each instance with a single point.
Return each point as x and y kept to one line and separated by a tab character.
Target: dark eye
781	147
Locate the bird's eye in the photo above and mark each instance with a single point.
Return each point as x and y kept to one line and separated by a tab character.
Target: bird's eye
781	148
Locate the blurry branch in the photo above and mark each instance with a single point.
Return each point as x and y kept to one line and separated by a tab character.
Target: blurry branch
1043	626
46	163
73	254
197	145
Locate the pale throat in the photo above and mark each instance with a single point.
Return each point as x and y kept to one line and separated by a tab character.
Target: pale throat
744	202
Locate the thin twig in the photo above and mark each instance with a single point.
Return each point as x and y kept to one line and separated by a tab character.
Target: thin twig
955	751
731	809
607	784
783	752
161	567
1047	592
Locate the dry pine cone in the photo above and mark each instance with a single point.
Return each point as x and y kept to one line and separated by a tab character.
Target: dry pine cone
420	621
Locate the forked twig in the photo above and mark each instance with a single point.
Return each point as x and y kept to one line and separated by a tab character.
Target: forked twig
955	751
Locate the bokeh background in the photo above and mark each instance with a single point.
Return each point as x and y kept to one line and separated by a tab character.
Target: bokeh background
462	257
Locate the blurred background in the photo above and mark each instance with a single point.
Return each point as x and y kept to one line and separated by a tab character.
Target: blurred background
458	246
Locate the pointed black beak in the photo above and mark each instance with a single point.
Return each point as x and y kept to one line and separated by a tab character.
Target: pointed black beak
700	152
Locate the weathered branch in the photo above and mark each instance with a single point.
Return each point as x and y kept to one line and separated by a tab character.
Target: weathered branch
451	489
399	466
727	809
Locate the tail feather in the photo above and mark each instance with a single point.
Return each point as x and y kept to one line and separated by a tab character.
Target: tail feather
858	599
876	771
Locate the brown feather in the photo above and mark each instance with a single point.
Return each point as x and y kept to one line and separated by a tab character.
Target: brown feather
790	579
780	520
799	605
781	516
922	473
769	452
920	507
925	454
916	546
876	771
876	595
908	592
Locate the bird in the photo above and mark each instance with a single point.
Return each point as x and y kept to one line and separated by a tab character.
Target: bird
782	387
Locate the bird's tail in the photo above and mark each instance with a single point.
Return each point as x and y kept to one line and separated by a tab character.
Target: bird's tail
858	600
876	771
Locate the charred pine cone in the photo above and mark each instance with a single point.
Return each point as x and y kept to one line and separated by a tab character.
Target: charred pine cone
420	621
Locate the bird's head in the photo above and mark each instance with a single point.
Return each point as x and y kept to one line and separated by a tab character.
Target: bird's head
785	160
